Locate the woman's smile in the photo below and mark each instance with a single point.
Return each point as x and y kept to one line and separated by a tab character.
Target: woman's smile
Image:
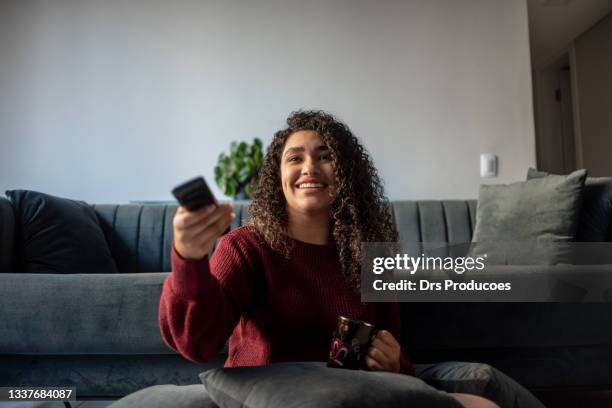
311	186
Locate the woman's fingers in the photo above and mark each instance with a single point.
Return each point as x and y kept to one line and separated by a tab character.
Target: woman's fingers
373	364
205	235
206	221
385	351
213	231
187	219
387	338
196	231
386	344
380	352
221	213
379	355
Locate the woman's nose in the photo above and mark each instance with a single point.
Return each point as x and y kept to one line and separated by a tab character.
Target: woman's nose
310	167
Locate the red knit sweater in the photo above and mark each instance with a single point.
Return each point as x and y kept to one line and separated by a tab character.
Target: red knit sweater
271	308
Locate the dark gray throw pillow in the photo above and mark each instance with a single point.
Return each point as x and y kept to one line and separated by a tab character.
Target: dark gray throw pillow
167	396
312	384
528	222
58	235
595	221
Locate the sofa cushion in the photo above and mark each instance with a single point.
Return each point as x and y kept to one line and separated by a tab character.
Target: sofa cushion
524	222
82	313
58	235
312	384
103	375
595	222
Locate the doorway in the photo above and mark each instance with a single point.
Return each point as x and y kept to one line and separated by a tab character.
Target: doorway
554	117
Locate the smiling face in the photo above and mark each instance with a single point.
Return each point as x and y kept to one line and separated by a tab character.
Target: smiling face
307	174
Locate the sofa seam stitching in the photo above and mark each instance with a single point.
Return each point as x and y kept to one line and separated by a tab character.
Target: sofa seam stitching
114	229
163	238
138	239
469	214
445	222
418	209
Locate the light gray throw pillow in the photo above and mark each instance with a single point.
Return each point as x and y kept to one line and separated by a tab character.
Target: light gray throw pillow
595	221
528	222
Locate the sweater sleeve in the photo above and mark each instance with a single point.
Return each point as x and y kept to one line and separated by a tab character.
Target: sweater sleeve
202	301
388	318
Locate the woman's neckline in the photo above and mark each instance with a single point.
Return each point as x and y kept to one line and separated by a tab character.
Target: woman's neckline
329	245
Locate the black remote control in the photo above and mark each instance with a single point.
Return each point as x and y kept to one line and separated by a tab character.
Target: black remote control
194	194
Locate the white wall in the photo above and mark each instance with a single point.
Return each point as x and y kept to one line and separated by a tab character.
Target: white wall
112	101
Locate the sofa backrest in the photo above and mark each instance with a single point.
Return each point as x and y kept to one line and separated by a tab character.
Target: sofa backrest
140	236
450	221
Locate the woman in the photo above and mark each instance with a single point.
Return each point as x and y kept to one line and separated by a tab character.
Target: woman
276	286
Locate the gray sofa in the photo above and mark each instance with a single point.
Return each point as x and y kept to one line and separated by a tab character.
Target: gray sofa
99	332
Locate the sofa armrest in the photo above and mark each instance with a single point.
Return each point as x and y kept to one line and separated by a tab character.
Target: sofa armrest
7	236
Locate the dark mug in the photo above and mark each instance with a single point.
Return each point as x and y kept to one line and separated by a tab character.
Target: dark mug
350	343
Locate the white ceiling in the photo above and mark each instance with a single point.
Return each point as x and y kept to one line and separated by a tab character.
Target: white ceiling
553	24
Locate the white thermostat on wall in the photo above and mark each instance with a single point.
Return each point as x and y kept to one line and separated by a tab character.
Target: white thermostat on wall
488	165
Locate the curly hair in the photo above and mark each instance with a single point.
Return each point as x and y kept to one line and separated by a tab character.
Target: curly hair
359	211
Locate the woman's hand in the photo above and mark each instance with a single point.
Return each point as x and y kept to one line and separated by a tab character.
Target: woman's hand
384	353
195	232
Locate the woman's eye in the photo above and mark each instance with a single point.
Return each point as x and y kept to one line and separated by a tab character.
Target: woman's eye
325	157
293	159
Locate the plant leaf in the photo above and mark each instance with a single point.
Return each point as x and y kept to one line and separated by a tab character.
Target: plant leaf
232	187
244	174
238	168
248	189
242	148
258	159
222	183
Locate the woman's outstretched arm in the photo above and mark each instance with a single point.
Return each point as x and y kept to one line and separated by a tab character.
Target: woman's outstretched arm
203	300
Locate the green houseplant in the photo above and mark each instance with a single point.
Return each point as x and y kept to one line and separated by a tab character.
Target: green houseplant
235	171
